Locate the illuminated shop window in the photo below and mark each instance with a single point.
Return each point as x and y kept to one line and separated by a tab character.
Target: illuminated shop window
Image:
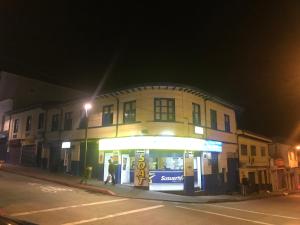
165	161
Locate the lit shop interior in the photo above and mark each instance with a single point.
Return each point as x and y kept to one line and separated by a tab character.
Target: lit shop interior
162	162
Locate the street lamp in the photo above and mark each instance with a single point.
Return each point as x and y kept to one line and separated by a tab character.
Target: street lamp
87	107
298	147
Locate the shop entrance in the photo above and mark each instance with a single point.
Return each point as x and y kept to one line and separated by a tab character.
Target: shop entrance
107	156
68	160
125	169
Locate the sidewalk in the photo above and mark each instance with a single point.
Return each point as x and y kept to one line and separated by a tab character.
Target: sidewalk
123	190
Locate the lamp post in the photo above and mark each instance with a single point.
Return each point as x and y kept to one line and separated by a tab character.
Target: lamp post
87	107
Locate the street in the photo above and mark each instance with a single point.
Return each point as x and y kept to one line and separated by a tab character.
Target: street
48	203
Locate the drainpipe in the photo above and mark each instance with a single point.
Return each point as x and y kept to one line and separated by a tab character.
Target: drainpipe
205	120
117	123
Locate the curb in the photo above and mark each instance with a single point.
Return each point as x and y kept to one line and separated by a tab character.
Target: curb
79	186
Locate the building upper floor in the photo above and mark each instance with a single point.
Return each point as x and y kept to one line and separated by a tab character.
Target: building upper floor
284	155
253	149
141	110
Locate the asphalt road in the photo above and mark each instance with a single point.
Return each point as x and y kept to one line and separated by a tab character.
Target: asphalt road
48	203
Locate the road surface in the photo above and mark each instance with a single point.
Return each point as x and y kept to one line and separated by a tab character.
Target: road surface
48	203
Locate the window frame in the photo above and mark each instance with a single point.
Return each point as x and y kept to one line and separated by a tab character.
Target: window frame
28	123
242	149
253	149
215	124
263	149
41	122
131	118
16	125
160	112
68	121
196	114
227	123
111	113
55	122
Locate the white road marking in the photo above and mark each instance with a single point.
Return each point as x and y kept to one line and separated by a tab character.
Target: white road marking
49	188
250	211
67	207
224	215
114	215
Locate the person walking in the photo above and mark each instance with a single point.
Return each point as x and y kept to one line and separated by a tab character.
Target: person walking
245	184
111	173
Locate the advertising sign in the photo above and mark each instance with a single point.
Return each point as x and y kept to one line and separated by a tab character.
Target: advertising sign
162	177
141	172
101	157
188	163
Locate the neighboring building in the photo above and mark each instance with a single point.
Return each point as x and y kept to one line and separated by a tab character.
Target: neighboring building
284	168
156	134
254	160
17	92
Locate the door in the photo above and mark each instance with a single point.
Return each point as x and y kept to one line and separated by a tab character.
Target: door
197	167
68	160
107	156
251	177
125	169
39	155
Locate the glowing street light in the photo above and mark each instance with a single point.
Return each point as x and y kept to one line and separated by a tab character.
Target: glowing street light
298	147
87	106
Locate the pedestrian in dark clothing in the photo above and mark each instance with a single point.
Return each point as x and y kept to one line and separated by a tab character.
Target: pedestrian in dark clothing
244	185
111	172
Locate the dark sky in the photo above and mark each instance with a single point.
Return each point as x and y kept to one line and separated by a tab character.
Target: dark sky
247	52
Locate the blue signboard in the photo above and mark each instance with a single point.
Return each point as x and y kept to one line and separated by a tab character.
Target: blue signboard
158	177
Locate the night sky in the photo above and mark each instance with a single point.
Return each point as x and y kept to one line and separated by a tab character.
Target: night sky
247	52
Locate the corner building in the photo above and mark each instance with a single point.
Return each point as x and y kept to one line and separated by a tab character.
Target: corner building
159	136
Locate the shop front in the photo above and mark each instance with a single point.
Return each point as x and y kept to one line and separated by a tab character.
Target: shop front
158	163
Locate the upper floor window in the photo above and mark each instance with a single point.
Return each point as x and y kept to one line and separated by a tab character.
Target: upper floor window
41	120
129	112
244	150
263	151
196	114
55	122
164	109
213	119
107	115
68	121
28	123
16	125
83	119
253	150
227	123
